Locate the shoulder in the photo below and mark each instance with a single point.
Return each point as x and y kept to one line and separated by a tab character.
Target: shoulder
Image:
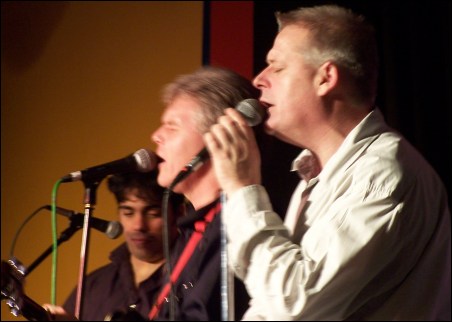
391	166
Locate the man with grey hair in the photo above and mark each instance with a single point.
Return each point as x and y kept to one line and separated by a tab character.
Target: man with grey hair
367	233
193	103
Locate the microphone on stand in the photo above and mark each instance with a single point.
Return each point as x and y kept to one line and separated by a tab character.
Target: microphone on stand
250	109
142	161
113	229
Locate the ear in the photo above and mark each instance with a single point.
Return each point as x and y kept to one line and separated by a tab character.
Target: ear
326	78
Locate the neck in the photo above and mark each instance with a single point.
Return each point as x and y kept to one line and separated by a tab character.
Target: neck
336	126
201	187
144	269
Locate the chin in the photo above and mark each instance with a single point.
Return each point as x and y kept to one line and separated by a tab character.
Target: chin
163	180
268	129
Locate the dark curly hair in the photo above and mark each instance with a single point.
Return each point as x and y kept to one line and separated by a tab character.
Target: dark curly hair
143	185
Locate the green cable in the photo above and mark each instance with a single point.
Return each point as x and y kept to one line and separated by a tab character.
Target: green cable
55	244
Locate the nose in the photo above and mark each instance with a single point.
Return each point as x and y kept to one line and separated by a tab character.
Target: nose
139	222
156	137
261	81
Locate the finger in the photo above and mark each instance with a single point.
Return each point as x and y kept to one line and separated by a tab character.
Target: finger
233	130
211	143
223	138
237	139
245	130
236	116
54	309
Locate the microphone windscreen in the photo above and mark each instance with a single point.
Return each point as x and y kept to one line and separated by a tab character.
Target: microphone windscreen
252	110
114	230
146	160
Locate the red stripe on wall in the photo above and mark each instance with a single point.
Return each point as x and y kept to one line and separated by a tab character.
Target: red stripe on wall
231	35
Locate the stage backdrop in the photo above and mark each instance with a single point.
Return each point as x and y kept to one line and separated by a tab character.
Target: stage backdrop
81	86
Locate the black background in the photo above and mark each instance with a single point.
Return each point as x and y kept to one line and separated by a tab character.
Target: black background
414	93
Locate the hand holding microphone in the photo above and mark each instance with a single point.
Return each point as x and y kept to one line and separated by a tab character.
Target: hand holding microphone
249	109
234	152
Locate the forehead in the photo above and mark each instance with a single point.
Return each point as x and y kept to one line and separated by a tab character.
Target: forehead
290	40
181	105
136	197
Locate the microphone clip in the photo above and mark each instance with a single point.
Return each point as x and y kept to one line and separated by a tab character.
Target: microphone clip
190	167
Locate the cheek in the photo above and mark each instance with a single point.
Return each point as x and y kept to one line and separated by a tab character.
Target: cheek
183	150
177	150
155	225
125	223
191	144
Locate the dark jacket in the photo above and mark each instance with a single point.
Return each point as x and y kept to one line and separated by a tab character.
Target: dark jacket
111	289
198	288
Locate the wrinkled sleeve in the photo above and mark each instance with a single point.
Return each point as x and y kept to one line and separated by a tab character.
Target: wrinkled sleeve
343	256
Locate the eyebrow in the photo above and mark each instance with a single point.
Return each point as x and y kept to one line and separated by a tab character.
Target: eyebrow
149	207
271	60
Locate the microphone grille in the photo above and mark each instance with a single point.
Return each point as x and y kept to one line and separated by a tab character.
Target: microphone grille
252	110
114	230
146	160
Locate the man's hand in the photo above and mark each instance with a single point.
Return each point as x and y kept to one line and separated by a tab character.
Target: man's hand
58	313
234	152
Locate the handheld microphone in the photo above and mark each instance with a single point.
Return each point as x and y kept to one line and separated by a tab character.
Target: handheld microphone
142	161
251	110
113	229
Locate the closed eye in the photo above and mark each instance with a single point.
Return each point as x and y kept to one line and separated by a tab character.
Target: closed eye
153	213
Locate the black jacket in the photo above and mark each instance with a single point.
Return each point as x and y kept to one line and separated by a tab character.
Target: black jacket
111	289
198	288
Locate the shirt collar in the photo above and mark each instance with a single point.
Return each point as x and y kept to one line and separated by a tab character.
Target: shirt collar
307	165
193	215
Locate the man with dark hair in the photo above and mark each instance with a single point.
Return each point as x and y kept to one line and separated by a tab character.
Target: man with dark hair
126	287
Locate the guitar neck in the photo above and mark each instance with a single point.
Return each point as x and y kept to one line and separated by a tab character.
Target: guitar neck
31	310
34	312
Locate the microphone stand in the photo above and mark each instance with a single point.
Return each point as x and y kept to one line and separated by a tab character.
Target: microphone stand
64	236
227	276
90	202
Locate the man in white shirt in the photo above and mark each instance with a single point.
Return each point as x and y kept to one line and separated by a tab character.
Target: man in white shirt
367	232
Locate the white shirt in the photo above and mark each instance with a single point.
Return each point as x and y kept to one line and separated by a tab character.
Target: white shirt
372	243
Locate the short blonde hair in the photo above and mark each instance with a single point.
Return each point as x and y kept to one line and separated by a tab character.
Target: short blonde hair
215	88
342	37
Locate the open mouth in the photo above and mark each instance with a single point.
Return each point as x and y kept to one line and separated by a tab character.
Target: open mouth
266	105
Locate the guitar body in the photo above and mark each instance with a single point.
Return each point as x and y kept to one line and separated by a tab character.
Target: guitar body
129	315
12	292
20	304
